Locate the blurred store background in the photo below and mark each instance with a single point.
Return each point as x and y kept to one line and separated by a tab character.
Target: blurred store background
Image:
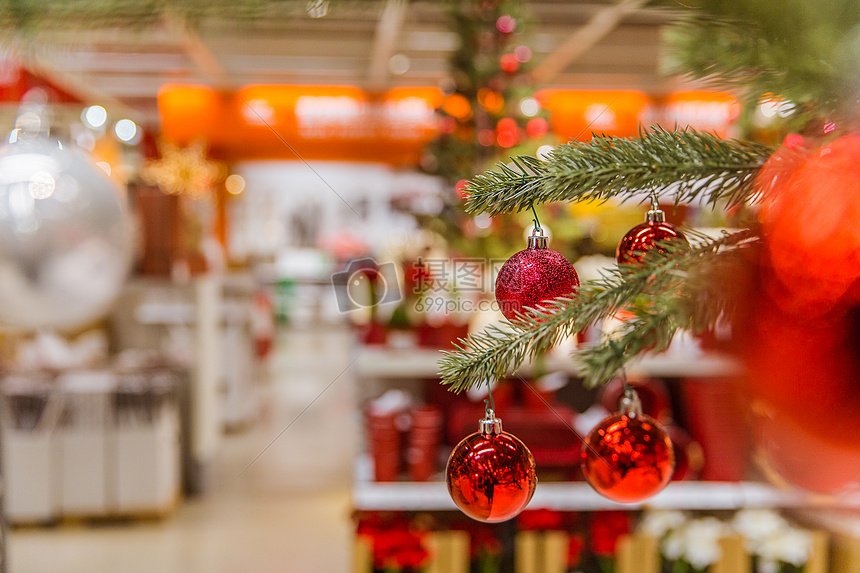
219	349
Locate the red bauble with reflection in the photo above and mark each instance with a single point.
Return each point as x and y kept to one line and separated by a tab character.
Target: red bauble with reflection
646	236
628	456
533	275
491	474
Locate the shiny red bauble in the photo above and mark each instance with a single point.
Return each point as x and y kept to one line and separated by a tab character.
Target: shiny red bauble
628	458
533	275
646	236
491	474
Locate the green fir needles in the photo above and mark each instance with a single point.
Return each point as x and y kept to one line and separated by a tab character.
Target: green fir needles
658	290
683	164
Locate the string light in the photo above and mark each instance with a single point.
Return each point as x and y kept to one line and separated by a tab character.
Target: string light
182	171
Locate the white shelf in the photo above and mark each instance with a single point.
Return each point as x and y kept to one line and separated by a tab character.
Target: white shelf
578	496
384	362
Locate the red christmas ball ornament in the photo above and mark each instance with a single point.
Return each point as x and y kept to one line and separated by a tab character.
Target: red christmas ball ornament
533	275
628	457
491	474
646	236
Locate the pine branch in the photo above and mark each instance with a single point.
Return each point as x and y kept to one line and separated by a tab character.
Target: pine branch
497	351
683	164
707	292
800	51
649	331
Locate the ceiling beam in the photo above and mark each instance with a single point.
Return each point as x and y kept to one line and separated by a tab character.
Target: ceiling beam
384	42
80	85
583	39
198	52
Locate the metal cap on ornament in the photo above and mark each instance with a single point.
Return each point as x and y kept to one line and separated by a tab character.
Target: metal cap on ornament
629	404
655	216
490	424
537	240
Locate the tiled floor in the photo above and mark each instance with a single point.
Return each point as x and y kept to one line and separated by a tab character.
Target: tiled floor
288	513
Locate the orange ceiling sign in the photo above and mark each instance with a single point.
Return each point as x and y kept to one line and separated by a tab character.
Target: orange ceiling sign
576	114
704	111
314	122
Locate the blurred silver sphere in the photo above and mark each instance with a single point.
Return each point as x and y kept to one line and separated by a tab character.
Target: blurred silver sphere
65	236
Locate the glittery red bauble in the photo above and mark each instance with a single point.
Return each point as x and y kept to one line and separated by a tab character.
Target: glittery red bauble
642	238
531	276
491	476
628	459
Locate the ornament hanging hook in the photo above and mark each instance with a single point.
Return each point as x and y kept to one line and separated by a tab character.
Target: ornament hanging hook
490	424
655	203
619	353
489	404
629	403
535	218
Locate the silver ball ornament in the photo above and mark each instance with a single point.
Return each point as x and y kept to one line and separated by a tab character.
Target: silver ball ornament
65	237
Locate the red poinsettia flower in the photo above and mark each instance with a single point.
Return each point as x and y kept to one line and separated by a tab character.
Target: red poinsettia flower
606	528
399	548
484	542
575	547
482	538
540	519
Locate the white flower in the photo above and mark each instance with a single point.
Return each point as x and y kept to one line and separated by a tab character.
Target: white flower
756	525
702	551
789	545
709	527
702	541
697	542
658	523
673	546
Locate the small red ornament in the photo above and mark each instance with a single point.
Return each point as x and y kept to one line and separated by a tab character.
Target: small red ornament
491	474
646	236
628	457
533	275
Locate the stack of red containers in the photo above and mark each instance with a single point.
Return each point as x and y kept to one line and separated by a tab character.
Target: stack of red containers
384	438
423	446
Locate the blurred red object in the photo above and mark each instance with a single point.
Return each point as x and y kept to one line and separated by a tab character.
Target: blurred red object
652	393
801	325
399	549
812	232
540	519
689	455
423	446
606	528
552	442
384	438
373	333
575	547
442	335
805	394
482	538
717	419
537	399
